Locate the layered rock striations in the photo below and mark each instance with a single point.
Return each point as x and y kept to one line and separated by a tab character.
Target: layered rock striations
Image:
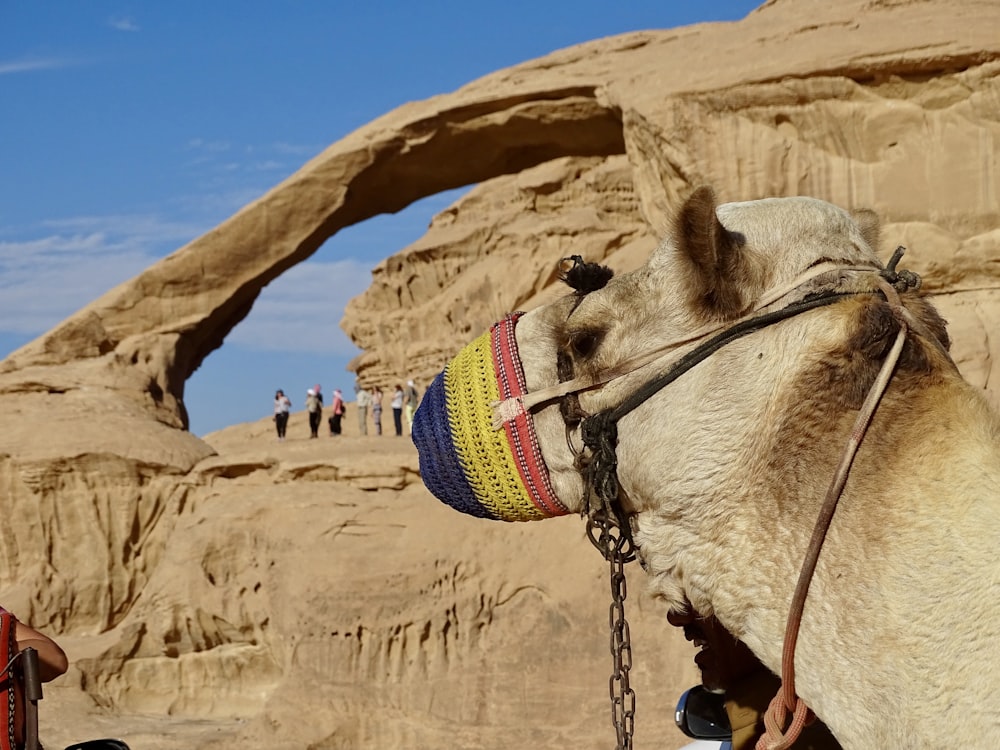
920	151
235	590
495	251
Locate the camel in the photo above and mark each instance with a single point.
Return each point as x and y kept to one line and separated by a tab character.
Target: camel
722	472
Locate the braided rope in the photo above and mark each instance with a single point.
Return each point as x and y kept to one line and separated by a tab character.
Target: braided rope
774	738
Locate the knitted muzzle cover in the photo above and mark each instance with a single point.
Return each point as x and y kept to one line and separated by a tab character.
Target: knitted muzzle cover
487	473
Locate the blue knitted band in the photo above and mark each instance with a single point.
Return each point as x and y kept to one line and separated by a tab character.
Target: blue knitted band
467	462
440	468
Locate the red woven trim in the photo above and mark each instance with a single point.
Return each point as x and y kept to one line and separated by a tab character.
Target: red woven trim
8	703
521	430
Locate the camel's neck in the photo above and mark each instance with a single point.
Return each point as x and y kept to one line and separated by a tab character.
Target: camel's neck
739	486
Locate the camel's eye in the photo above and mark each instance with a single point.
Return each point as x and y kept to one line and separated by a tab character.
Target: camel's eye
584	343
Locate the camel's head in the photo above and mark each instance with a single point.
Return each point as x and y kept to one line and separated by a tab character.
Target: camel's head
718	265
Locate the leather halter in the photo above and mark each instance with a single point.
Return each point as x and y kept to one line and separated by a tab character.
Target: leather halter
600	437
599	431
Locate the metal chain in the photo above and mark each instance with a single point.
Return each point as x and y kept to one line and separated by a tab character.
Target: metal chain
617	548
609	531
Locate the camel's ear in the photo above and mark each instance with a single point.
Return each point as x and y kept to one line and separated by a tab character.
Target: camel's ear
868	222
713	253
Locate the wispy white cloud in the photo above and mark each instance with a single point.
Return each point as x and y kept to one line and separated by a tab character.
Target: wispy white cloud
301	310
212	160
218	198
207	146
128	228
229	175
123	23
46	279
27	66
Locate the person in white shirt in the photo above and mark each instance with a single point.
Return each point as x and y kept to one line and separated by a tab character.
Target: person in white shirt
282	405
397	409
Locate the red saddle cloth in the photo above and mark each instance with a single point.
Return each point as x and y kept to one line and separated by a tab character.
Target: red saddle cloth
11	698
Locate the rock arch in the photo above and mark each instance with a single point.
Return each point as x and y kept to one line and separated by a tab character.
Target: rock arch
889	105
163	323
681	114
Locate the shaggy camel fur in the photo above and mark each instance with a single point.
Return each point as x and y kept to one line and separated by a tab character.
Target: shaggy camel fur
724	470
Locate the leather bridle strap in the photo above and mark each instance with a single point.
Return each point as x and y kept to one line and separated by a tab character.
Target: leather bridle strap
600	431
708	348
509	409
600	436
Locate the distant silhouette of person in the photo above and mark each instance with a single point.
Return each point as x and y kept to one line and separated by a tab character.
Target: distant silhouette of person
314	405
282	405
363	400
411	399
397	409
338	412
377	409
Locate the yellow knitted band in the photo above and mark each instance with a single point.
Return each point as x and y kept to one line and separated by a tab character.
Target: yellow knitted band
485	454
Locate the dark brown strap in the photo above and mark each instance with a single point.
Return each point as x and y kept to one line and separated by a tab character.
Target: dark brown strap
10	701
32	694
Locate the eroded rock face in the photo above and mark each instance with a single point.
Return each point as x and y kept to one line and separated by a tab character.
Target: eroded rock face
313	594
893	143
223	579
453	283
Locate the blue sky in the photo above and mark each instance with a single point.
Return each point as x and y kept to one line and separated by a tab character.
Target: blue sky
130	128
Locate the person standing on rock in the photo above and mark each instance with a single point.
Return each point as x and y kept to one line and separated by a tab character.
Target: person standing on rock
411	400
314	405
363	400
377	409
282	405
397	409
338	412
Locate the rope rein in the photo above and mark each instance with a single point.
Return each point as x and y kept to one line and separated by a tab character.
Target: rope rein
774	738
705	350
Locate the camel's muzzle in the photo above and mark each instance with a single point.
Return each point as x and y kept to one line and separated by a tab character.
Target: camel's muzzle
464	461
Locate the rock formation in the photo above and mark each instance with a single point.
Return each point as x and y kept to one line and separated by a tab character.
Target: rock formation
331	603
457	279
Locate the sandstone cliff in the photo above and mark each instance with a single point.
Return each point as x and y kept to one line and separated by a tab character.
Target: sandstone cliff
236	590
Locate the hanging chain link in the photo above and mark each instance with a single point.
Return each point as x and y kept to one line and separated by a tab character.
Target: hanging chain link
609	530
617	548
